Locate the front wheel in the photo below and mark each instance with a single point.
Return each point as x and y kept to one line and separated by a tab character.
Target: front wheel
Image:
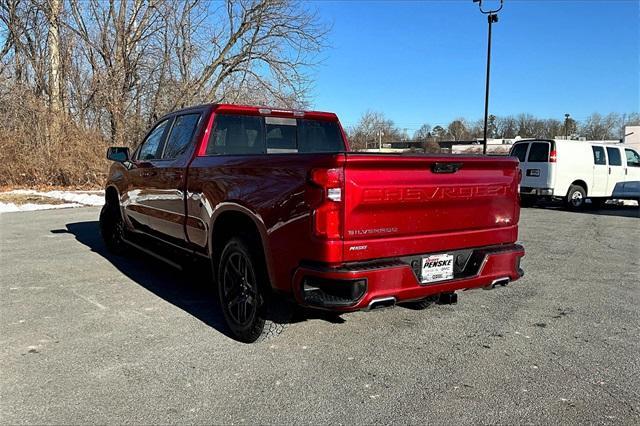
576	197
112	229
243	288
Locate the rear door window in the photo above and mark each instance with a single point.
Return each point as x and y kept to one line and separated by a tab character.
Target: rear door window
633	159
181	135
520	150
151	148
598	155
614	156
236	135
539	152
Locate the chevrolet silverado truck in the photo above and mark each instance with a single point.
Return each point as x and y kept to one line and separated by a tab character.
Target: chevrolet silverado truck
281	208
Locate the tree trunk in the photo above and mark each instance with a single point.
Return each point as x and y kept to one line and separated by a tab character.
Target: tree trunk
53	40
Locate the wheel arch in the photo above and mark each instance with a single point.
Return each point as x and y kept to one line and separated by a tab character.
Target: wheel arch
233	219
581	183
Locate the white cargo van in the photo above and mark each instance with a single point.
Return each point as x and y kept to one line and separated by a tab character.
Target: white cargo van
576	170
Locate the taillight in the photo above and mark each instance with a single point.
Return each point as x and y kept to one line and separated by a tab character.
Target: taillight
327	217
552	156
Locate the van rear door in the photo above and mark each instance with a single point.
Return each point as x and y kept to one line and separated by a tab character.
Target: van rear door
538	167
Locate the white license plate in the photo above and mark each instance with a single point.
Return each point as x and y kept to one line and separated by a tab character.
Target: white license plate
437	267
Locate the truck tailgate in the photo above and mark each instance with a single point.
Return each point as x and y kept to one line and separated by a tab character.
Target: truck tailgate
402	205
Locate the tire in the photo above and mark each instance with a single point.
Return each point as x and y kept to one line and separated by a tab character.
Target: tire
576	197
112	229
245	293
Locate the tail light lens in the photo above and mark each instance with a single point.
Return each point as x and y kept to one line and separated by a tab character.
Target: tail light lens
327	217
552	156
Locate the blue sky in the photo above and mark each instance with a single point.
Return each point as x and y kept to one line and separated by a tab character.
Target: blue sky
424	61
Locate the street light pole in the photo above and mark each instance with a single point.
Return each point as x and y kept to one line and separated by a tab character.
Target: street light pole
566	125
491	18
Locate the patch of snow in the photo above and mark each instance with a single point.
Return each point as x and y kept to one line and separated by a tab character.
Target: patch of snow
86	198
11	207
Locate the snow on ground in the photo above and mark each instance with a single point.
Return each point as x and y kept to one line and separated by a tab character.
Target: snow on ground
11	207
70	198
87	198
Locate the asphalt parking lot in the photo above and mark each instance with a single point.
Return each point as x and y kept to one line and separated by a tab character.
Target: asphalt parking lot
88	338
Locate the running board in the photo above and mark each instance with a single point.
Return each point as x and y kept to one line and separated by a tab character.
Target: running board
153	254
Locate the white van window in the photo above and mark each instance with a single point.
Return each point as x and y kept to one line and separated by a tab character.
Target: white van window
539	152
614	156
633	159
598	155
520	150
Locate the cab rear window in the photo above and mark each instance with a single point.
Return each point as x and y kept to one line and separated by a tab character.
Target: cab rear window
240	135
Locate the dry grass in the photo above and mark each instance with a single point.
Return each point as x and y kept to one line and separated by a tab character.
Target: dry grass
33	155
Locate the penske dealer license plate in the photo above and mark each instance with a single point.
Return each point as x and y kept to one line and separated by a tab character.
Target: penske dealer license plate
437	267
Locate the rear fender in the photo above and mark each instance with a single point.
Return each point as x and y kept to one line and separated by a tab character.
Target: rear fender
258	223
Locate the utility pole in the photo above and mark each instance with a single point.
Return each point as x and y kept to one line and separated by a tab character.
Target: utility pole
491	18
380	135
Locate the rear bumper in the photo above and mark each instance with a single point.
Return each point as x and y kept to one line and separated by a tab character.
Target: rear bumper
527	190
354	286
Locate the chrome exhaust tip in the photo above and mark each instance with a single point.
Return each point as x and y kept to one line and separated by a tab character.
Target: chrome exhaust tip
498	282
381	303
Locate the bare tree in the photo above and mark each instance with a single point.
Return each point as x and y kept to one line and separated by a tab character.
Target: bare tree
598	127
458	129
422	133
372	128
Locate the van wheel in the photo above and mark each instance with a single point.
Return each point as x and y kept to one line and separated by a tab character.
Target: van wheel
243	288
575	197
112	229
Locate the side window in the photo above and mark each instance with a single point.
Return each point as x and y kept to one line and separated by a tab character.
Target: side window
598	155
539	152
633	159
520	150
181	134
614	156
281	135
236	134
319	136
152	146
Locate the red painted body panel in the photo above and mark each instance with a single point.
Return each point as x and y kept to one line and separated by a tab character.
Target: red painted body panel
390	206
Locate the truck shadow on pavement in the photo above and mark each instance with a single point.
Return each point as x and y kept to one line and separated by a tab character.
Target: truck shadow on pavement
191	290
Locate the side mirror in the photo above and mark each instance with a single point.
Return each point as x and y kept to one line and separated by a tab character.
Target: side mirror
118	154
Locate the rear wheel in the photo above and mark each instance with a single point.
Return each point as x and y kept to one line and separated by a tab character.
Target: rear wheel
244	292
112	228
576	197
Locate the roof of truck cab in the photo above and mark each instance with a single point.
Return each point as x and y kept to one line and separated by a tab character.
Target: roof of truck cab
262	110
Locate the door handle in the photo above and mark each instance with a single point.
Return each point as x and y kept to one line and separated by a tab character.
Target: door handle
609	170
148	173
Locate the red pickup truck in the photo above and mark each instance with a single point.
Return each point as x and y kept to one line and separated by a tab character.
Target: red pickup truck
281	207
